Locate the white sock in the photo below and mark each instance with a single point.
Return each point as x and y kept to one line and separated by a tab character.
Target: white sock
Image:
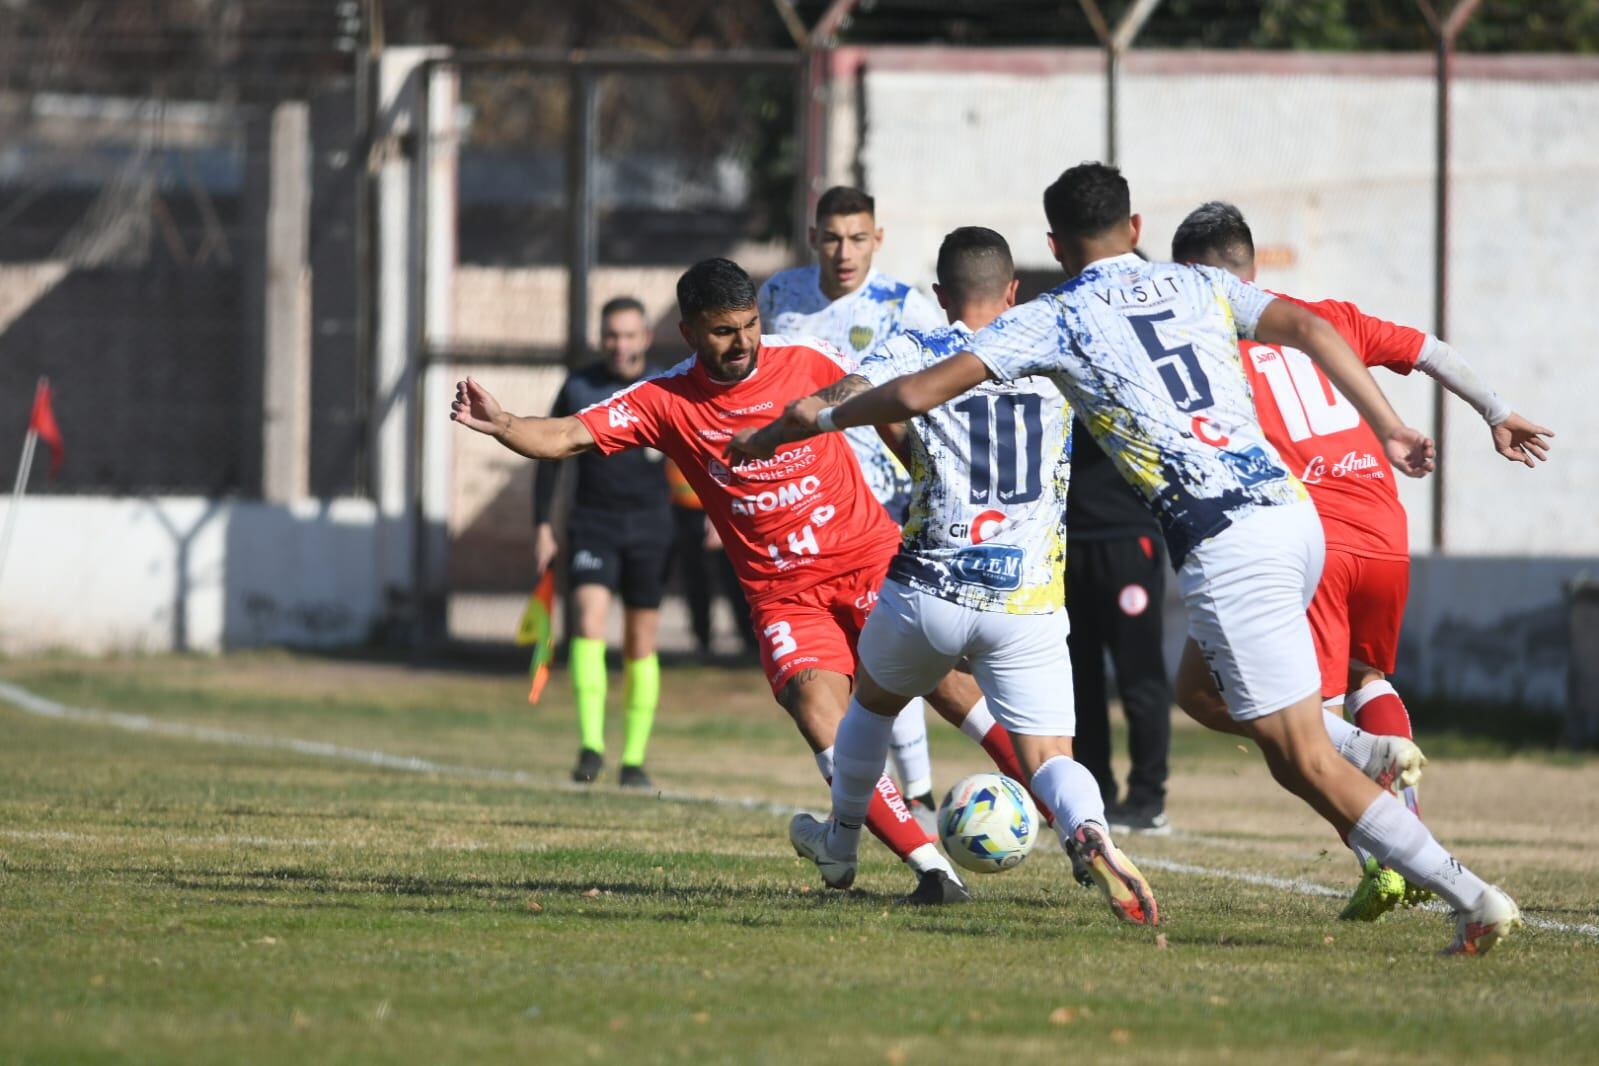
979	720
824	763
1071	792
1353	744
1399	840
928	857
860	749
909	749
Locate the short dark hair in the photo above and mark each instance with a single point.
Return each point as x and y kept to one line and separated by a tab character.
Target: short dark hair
845	200
974	261
714	285
619	304
1214	233
1087	200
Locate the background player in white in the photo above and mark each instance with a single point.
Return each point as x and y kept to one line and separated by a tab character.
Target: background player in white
980	573
845	300
1148	353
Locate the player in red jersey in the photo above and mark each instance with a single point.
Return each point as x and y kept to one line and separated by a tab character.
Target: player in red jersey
1359	605
808	540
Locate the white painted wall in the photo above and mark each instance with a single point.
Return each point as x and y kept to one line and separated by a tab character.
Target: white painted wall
1331	159
100	575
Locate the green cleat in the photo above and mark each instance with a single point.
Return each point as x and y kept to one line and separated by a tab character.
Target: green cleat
1380	891
1415	895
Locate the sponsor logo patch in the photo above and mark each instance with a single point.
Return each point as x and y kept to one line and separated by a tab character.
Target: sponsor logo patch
993	566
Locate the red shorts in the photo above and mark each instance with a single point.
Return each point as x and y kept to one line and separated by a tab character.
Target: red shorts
1356	614
816	629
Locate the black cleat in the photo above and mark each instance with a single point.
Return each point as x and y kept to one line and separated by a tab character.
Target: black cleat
1080	872
635	777
589	765
937	887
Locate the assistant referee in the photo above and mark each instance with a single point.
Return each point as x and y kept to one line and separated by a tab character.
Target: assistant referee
619	536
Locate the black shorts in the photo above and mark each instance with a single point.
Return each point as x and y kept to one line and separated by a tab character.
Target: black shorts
627	552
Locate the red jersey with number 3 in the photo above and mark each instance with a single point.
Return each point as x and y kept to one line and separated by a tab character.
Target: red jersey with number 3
788	522
1322	438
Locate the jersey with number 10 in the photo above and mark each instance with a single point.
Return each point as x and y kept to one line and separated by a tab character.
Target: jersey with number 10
1322	437
788	522
1148	355
989	473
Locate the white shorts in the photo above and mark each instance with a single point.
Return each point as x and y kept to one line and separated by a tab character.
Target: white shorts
1246	590
912	639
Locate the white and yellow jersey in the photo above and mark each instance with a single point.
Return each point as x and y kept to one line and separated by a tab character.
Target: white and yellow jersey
1148	354
989	474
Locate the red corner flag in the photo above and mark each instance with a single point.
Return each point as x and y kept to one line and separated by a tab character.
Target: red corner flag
43	422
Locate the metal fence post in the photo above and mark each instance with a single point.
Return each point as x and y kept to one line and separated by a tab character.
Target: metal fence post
581	136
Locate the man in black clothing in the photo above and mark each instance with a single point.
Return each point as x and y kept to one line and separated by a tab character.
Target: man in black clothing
1115	582
619	536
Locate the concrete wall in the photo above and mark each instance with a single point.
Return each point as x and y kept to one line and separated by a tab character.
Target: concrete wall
1331	158
100	575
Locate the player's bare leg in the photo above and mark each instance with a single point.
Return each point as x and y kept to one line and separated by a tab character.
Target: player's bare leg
960	702
816	700
591	605
1303	760
1392	762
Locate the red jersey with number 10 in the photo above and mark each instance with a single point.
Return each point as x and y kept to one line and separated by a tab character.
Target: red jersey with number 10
788	522
1322	438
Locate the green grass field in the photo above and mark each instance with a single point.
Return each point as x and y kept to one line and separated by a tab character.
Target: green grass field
171	896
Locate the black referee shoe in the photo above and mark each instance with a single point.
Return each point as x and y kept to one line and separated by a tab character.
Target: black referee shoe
635	777
589	765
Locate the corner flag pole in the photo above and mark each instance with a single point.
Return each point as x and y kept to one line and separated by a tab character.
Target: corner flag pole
24	468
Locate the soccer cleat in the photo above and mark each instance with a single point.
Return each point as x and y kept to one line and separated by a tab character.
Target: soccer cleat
1490	921
1125	889
809	837
925	810
1416	895
635	777
1395	763
937	887
589	765
1080	872
1380	891
1150	821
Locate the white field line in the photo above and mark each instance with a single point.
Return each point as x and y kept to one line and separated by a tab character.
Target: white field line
39	706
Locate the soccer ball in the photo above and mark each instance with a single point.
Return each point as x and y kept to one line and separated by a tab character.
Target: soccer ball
988	823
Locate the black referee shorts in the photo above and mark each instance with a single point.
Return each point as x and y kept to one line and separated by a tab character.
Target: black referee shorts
627	552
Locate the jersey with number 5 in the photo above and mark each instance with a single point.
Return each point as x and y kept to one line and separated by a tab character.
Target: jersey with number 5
989	474
1148	355
1322	437
788	522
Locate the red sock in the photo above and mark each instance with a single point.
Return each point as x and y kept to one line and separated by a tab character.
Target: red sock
1377	708
891	822
998	744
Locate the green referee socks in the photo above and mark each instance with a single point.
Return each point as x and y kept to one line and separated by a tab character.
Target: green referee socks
643	692
587	663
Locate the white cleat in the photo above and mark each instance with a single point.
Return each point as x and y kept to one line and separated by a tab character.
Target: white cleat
1395	763
809	838
1490	921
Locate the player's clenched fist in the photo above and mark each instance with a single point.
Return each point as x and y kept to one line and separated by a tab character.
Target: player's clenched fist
1410	451
475	408
797	423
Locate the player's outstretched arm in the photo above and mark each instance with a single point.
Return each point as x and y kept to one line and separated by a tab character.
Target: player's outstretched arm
537	438
1514	437
901	399
763	443
1411	451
